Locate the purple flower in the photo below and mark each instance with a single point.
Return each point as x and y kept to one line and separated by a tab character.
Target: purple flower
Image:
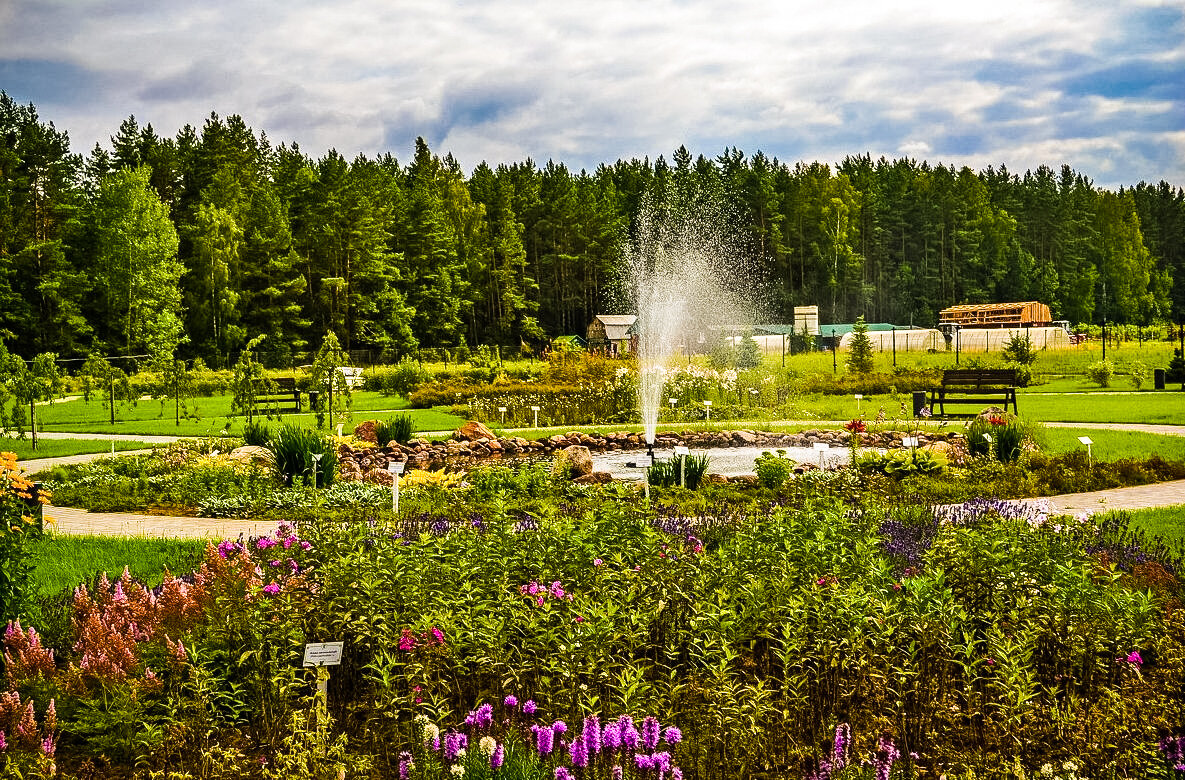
497	757
629	734
561	773
650	732
672	735
592	734
643	761
559	727
617	773
529	707
886	754
453	742
405	765
611	738
511	701
544	740
1134	658
483	716
843	740
578	751
272	588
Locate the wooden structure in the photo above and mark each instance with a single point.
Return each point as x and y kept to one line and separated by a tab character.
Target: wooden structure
974	386
610	333
995	315
286	399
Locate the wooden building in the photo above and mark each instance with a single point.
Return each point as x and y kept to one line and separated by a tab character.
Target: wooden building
995	315
610	333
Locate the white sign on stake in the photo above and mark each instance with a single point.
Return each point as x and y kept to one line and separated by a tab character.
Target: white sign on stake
909	441
681	450
323	653
1085	440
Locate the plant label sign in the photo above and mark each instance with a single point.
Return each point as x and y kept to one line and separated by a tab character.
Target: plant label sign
323	653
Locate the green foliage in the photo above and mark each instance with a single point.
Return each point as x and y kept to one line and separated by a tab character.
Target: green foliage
293	449
400	379
1176	368
250	381
722	355
859	360
399	428
327	377
687	470
1101	373
256	433
99	375
748	353
1020	349
773	469
1007	438
903	462
1137	374
20	521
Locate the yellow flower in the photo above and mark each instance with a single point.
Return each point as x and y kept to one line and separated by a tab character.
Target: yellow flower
27	519
50	520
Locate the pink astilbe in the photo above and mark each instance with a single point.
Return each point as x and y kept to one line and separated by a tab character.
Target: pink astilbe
24	657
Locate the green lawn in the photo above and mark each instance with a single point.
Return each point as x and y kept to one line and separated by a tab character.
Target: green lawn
152	418
1114	445
58	448
63	562
1167	522
1145	407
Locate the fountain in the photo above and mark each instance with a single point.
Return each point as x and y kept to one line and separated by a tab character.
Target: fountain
679	271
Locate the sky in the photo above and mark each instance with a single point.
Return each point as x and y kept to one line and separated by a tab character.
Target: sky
1099	86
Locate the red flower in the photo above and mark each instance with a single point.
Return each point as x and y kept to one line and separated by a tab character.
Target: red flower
855	426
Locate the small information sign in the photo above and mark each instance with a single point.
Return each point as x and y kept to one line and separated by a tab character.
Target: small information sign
323	653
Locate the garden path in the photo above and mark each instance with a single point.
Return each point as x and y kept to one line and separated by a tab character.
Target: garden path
79	522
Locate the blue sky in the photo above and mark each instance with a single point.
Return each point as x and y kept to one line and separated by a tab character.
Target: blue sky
1097	85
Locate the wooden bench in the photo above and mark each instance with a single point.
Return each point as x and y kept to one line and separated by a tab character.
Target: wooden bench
286	399
974	386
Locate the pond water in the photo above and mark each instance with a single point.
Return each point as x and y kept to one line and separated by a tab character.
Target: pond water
729	461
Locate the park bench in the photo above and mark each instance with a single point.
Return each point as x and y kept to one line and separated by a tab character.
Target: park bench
974	386
285	399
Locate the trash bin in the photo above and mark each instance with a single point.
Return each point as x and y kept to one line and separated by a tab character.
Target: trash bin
919	402
1158	378
314	400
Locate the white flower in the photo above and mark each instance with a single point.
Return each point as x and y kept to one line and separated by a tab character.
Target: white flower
1047	770
487	746
458	770
1070	766
431	733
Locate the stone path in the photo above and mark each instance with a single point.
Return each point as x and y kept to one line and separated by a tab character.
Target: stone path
79	522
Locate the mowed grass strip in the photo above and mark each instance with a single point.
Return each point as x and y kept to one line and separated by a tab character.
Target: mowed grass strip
1165	522
1163	408
63	562
151	417
60	448
1113	445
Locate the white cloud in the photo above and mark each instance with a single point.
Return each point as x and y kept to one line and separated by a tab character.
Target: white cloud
503	79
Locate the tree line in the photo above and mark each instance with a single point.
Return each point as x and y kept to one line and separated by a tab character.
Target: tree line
194	245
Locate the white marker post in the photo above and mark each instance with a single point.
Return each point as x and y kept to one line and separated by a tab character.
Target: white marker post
339	430
1089	458
859	398
682	452
909	441
535	409
322	655
673	402
317	470
395	467
708	410
502	411
821	447
988	437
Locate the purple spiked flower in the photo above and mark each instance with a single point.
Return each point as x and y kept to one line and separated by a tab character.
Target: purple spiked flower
592	734
578	751
672	735
650	732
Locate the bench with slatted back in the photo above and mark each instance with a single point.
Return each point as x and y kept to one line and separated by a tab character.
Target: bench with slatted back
286	399
974	386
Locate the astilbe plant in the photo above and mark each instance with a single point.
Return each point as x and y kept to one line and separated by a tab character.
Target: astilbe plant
24	656
19	732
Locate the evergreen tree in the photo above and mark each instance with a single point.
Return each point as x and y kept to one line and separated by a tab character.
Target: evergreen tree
860	349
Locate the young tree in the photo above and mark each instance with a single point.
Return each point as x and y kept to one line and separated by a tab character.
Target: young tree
249	381
860	349
748	353
327	376
99	375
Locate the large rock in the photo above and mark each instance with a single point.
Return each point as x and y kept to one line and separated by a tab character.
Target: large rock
580	459
473	431
252	454
366	431
594	478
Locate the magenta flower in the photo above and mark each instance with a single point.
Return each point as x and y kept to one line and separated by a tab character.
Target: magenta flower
559	727
672	735
611	737
650	732
405	765
272	588
591	734
498	757
529	707
597	561
544	740
561	773
1134	658
511	701
578	751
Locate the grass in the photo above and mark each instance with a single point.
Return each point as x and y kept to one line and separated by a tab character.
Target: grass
1114	445
1167	408
63	562
1166	522
152	418
60	448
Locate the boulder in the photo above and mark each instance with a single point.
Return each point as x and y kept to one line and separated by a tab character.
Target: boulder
580	459
251	454
594	478
473	431
365	431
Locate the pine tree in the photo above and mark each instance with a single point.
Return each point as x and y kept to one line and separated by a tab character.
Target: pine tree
860	349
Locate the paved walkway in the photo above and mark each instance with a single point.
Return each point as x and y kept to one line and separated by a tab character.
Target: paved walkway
79	522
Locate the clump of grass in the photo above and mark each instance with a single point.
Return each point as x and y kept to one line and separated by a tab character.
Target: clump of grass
397	428
256	433
667	473
293	449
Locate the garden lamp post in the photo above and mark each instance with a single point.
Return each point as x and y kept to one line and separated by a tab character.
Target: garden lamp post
834	346
396	468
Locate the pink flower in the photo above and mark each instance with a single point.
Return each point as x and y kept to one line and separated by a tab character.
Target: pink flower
579	619
272	588
597	561
1134	658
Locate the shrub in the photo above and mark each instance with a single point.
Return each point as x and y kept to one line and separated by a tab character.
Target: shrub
400	379
293	449
19	520
1136	373
256	433
669	472
397	428
902	463
773	470
1020	349
860	349
1101	372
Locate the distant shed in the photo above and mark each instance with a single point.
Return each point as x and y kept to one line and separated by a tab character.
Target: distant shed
610	333
996	315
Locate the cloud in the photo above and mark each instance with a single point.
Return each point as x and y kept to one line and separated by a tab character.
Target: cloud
501	80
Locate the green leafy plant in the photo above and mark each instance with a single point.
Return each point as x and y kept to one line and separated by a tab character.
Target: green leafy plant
670	471
326	377
1101	372
20	519
256	433
249	381
398	428
773	469
293	449
1020	349
903	463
